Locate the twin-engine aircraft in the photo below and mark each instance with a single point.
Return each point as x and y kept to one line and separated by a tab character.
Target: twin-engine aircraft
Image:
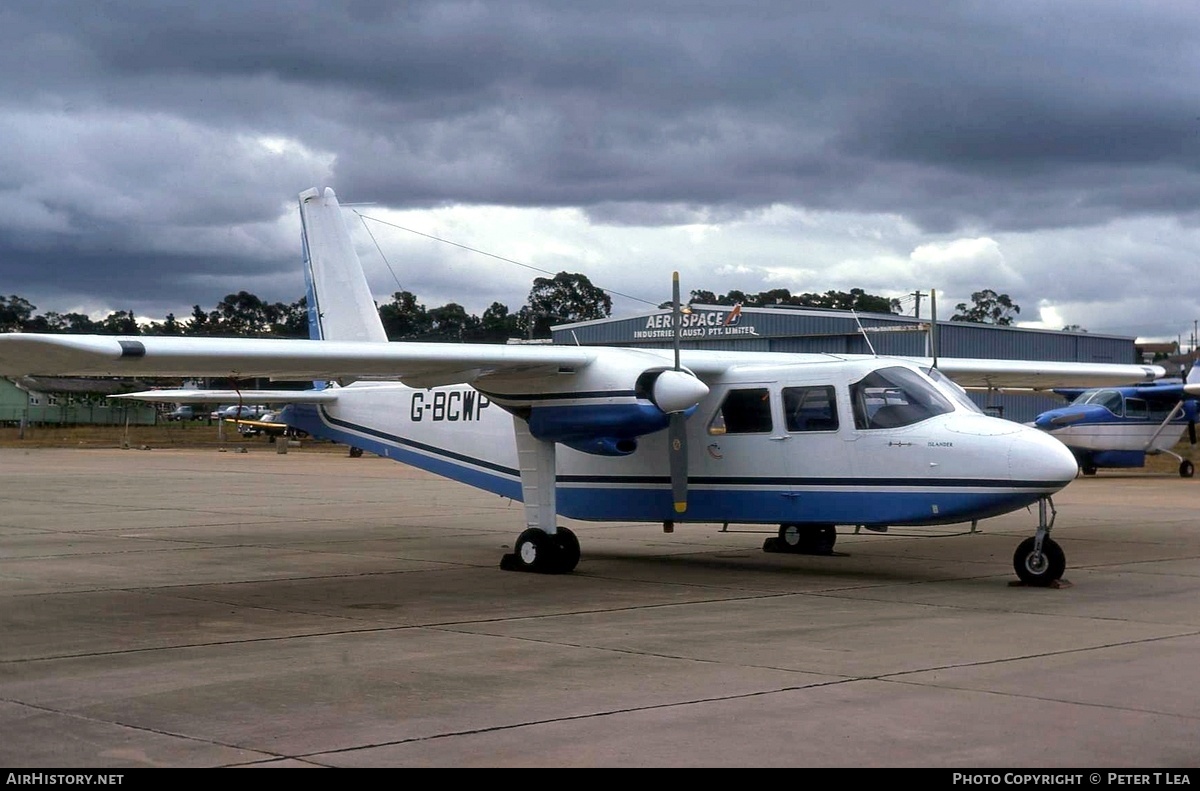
803	441
1120	426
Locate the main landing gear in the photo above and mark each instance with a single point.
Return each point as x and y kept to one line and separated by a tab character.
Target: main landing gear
803	539
1039	561
542	552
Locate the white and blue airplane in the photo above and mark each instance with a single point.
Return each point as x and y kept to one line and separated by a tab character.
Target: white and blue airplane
805	442
1120	426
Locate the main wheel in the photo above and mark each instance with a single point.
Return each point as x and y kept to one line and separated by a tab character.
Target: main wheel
791	537
1039	568
807	539
823	540
568	550
533	551
1186	469
1088	469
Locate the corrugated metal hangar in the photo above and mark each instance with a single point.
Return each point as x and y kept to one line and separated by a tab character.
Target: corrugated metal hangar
786	329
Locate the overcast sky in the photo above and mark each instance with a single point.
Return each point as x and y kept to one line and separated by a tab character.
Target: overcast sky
150	157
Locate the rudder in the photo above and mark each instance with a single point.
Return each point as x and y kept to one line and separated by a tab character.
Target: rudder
340	305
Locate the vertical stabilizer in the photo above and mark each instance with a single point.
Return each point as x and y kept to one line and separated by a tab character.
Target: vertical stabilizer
340	305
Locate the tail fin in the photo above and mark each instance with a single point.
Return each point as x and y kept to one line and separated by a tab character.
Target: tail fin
340	305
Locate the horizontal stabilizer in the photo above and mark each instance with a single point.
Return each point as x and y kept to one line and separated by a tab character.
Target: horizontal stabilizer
235	396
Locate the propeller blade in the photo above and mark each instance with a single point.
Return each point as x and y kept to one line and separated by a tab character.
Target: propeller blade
677	443
677	429
676	316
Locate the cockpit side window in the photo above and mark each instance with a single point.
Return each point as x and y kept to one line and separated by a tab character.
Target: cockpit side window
810	408
952	390
746	411
1110	400
894	397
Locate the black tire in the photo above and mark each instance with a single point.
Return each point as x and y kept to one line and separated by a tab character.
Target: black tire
825	536
1088	469
791	537
355	452
1186	469
1039	570
538	552
806	539
568	550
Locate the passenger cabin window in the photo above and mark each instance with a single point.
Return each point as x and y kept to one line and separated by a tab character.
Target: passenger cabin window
1137	408
810	408
894	397
743	412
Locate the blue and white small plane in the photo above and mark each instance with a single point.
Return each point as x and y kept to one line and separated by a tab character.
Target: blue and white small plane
1120	426
806	442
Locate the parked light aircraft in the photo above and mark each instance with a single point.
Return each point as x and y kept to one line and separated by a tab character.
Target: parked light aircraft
1120	426
803	441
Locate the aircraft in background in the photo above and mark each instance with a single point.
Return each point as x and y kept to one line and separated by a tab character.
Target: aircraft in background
1120	426
806	442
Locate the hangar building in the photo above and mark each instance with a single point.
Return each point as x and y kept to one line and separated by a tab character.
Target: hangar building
790	329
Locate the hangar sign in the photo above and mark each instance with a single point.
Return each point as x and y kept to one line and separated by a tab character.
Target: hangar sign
698	324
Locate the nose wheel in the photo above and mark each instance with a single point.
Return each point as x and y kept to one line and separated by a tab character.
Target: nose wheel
1042	567
1039	561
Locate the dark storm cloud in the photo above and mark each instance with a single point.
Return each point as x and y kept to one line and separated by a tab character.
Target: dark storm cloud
959	117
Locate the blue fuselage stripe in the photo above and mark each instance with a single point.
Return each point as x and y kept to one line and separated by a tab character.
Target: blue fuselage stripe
743	499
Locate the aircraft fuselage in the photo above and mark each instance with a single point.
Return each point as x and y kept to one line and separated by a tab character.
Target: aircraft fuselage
789	450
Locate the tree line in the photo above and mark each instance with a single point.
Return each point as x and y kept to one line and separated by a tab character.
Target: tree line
561	299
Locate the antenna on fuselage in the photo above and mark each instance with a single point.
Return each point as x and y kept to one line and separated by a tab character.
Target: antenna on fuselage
861	329
933	350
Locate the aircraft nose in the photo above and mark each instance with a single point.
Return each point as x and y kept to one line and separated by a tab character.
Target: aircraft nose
1034	455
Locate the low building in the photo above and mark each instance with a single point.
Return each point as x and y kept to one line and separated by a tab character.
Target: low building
47	400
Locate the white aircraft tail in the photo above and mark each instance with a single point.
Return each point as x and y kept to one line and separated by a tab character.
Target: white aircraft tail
340	305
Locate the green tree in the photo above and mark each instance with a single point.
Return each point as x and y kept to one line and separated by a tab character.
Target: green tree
451	322
291	321
119	322
563	299
15	312
987	307
404	318
244	315
497	325
199	323
169	326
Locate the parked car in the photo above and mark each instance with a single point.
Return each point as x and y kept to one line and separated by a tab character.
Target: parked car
219	412
187	412
268	426
235	412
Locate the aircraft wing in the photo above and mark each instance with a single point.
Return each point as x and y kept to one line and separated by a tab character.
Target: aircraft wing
185	396
420	364
1042	375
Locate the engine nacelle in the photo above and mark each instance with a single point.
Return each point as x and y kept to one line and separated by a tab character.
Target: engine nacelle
605	446
598	408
